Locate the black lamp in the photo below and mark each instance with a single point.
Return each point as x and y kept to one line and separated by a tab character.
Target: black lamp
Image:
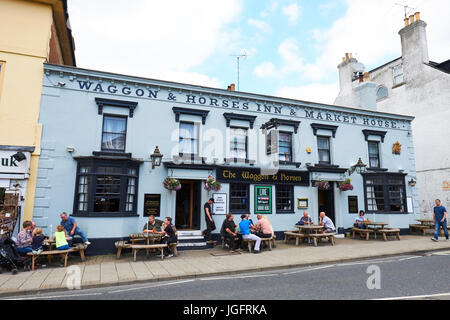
156	158
359	167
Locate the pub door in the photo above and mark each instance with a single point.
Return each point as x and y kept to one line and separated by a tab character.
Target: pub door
326	202
188	206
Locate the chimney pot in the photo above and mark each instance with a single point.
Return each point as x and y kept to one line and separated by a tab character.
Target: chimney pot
411	19
406	22
366	77
232	87
351	55
417	16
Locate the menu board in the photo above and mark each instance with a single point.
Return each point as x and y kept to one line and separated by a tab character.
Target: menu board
152	205
220	203
263	199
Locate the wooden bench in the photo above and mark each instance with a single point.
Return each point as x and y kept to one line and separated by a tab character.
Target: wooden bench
365	232
121	245
294	234
136	247
318	237
270	240
79	247
389	231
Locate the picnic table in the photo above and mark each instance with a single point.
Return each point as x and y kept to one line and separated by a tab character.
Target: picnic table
426	222
315	232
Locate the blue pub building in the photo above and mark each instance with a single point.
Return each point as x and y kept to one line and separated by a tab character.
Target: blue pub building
274	156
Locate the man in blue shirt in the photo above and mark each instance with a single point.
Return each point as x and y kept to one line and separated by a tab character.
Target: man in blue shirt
71	227
245	225
440	218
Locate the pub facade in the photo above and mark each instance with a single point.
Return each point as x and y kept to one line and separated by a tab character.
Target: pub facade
118	148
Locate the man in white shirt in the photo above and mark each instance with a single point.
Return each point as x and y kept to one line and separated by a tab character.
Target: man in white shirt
326	223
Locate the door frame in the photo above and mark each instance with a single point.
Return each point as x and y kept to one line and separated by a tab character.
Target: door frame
193	184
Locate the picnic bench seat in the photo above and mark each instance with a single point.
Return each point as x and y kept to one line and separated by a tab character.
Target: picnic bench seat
389	231
364	232
294	234
79	247
270	240
125	245
419	227
136	247
319	236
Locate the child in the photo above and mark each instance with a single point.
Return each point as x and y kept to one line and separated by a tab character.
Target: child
38	239
60	238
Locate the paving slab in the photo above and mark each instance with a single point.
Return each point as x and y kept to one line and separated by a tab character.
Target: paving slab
125	272
108	273
172	269
91	275
15	282
54	279
141	271
35	281
157	270
189	268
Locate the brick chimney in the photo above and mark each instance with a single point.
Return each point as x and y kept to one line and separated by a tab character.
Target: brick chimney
346	73
414	46
232	87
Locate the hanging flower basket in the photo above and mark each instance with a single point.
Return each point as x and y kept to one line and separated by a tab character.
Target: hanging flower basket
322	185
171	184
212	184
346	185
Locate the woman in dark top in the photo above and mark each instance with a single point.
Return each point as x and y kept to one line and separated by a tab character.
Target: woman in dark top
230	234
169	236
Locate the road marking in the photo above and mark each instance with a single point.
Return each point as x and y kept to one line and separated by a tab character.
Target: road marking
54	297
311	269
404	259
417	297
149	287
240	277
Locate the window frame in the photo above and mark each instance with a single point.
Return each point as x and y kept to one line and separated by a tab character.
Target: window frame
231	142
378	154
230	205
118	116
93	174
328	150
196	127
394	76
291	136
385	96
387	200
290	198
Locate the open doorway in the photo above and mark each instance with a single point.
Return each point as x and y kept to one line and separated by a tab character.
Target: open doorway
187	212
326	202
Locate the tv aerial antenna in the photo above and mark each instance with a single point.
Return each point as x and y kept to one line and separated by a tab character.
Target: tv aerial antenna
407	9
238	60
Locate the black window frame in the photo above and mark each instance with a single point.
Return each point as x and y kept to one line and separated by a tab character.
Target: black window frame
386	184
246	143
371	154
103	132
93	174
291	155
290	197
328	150
247	190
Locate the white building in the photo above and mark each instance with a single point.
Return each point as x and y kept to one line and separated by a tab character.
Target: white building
413	85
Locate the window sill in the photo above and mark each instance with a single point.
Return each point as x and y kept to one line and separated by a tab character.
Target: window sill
399	85
105	215
285	212
290	163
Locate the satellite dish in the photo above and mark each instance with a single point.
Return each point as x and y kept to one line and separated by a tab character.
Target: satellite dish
358	67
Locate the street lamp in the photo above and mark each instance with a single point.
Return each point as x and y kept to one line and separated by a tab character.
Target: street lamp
412	182
156	158
359	167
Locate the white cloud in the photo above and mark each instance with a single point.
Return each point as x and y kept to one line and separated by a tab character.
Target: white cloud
271	9
151	38
261	25
323	93
264	70
290	53
293	12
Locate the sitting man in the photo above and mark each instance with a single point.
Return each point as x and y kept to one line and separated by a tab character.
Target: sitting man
326	223
24	238
230	234
169	236
245	226
305	220
264	227
360	220
153	225
72	229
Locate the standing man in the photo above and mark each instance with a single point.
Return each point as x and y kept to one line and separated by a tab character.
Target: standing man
440	219
245	225
210	226
326	223
71	227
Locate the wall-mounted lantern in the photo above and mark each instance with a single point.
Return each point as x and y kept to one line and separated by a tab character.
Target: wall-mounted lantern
359	167
156	158
412	182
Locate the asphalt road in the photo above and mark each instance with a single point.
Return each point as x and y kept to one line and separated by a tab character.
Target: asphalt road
402	277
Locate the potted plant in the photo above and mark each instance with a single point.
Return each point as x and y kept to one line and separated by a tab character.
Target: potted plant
212	184
346	185
171	184
322	184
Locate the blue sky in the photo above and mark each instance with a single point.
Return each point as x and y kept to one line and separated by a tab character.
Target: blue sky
294	46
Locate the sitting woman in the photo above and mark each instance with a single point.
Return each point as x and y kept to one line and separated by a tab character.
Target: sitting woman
25	238
169	236
360	220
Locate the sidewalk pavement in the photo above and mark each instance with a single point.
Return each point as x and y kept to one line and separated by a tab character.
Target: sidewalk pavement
107	271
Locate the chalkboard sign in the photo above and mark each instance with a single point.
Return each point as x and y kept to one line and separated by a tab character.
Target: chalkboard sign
152	205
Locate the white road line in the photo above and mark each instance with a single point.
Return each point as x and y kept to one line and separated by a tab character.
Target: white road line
417	297
239	277
149	287
54	297
404	259
311	269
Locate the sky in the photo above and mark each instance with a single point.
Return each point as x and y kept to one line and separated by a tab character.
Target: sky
292	47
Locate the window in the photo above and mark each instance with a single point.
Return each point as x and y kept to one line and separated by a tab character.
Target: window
382	93
285	199
398	75
285	146
374	154
106	187
189	138
114	133
385	193
238	143
239	198
323	145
